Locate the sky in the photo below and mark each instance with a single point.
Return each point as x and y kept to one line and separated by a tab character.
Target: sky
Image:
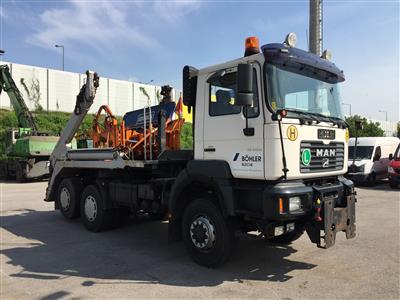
152	40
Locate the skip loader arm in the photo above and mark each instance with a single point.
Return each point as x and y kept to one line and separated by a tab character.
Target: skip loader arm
84	101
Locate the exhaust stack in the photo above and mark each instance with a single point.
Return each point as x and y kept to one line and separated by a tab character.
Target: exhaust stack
315	24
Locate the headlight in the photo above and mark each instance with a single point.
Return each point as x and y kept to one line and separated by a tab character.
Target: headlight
294	203
390	170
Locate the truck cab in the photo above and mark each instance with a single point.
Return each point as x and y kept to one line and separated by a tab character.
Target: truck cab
304	86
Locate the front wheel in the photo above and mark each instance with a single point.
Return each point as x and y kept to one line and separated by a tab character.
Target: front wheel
371	181
206	234
393	184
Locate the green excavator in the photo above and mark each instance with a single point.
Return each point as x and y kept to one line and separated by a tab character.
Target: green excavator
27	149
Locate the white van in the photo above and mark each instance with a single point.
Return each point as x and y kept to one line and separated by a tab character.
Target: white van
371	158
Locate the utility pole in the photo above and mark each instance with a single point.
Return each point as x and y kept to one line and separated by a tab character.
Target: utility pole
386	113
349	104
61	46
315	24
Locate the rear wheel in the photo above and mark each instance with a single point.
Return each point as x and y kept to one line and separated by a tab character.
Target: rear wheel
206	234
69	196
94	217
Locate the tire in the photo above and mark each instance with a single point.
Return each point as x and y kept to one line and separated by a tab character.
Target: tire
287	238
93	215
3	171
371	181
20	172
69	197
392	184
202	218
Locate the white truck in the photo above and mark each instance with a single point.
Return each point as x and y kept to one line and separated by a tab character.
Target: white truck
270	151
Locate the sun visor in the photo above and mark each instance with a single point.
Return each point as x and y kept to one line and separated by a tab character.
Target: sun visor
302	62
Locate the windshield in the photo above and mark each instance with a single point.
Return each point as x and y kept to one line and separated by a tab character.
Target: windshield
302	94
363	152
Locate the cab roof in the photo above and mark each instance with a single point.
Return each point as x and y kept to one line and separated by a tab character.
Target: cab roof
282	55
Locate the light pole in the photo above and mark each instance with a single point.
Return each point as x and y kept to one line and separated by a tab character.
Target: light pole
384	111
349	104
61	46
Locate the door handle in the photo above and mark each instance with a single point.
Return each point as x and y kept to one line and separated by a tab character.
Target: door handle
209	149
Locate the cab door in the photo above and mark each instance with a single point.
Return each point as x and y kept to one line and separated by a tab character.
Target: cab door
224	122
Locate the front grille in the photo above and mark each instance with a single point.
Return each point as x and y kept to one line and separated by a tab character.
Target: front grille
324	158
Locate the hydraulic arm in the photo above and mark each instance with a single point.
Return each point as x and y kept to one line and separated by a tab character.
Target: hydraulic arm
24	116
83	102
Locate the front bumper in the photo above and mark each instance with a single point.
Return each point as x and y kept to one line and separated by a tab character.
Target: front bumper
329	208
357	177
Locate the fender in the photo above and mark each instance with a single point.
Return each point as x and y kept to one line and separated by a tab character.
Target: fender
103	188
213	173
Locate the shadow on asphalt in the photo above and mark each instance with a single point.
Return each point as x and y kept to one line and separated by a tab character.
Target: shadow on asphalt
136	253
381	185
13	181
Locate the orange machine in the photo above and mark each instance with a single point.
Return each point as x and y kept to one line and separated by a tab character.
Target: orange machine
107	133
140	142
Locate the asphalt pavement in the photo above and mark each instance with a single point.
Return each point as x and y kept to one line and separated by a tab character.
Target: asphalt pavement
44	256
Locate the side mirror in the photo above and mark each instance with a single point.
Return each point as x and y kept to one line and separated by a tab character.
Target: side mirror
376	158
244	85
390	156
244	92
189	86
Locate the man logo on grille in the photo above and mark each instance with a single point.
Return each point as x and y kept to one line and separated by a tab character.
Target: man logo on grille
325	162
292	133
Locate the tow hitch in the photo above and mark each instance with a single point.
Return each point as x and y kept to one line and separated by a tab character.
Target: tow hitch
333	220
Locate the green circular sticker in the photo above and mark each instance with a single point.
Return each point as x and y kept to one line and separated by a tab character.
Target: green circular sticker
306	157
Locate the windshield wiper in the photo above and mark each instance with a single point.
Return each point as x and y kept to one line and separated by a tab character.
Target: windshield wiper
304	116
335	120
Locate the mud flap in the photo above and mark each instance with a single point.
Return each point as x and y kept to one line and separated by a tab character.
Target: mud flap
335	219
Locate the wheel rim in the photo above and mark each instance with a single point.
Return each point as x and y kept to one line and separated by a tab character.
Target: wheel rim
202	233
90	208
65	198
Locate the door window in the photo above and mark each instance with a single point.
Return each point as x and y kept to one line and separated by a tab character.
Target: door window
223	93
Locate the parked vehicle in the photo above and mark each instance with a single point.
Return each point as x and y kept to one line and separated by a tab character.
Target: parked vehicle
270	160
27	149
369	161
394	169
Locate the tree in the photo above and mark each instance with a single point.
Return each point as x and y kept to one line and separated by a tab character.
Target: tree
187	136
369	128
398	130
